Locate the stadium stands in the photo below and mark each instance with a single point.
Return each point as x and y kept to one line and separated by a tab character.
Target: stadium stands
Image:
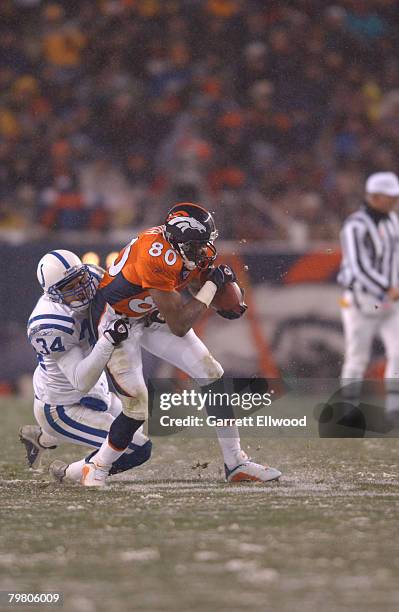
273	112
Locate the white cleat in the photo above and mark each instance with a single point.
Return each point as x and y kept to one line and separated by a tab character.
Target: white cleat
93	475
249	471
57	470
29	435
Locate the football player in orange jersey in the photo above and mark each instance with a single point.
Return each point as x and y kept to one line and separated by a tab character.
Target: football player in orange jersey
144	285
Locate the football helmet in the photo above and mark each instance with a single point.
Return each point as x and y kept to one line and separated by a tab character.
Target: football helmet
191	231
57	270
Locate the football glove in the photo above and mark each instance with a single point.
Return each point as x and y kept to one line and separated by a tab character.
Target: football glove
221	275
117	331
153	317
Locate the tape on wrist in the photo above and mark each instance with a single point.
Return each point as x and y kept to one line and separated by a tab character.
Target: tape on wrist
206	293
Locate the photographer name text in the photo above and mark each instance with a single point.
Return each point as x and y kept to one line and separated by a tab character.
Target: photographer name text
247	421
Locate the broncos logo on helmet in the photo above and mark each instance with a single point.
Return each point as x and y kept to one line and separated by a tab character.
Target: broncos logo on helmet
191	231
185	223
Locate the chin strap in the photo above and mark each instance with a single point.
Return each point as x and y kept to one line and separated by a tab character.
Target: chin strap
190	265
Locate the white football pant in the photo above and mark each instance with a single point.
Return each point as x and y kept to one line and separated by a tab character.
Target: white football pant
359	331
78	424
188	353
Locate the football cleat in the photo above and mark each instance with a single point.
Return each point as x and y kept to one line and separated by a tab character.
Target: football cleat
29	435
93	475
249	471
57	470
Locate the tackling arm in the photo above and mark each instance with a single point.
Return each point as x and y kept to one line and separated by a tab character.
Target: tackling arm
83	372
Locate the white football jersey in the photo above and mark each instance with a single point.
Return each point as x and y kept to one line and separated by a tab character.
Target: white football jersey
53	329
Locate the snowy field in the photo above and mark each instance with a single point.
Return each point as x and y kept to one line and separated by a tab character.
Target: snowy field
173	536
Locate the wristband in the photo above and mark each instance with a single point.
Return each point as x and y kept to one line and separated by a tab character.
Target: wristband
206	293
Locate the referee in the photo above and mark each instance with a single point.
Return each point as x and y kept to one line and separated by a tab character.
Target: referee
369	275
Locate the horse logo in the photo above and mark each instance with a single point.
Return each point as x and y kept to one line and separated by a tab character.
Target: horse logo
184	223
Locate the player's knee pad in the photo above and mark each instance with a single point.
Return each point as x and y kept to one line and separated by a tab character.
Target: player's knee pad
130	460
208	370
136	407
217	369
133	395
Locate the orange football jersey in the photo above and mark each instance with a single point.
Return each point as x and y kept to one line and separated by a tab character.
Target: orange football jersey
147	262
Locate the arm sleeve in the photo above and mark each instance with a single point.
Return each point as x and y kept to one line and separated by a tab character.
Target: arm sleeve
353	245
83	372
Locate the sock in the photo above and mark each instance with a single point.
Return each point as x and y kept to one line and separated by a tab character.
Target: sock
120	435
228	436
229	442
107	454
47	441
74	470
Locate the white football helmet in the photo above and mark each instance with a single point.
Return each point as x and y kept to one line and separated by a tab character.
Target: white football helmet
58	269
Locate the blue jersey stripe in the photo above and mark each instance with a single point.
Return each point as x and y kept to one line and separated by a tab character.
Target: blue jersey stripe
64	432
51	316
61	259
42	326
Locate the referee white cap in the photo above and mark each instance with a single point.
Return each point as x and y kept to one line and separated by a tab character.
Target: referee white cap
386	183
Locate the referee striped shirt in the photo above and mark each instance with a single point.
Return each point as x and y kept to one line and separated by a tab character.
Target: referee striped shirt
370	255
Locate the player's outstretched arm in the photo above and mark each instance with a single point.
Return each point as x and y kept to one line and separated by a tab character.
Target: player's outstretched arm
83	372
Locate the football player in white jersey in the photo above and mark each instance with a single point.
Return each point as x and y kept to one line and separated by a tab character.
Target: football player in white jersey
72	400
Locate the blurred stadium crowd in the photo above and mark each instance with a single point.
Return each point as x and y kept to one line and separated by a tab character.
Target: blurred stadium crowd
272	112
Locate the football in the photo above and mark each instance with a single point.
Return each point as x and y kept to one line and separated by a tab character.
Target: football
228	298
